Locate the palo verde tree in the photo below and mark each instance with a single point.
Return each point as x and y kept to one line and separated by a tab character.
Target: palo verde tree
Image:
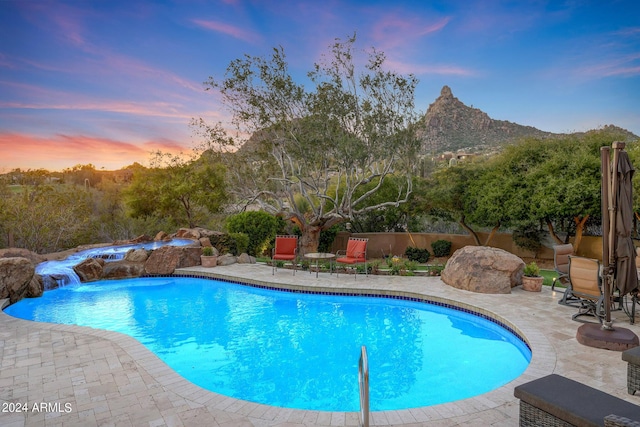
313	151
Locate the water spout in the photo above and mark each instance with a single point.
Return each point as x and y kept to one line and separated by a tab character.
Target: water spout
57	273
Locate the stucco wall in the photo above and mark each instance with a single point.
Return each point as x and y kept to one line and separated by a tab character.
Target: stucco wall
381	244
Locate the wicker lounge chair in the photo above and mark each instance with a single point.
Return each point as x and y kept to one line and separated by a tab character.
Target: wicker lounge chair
286	249
584	274
356	253
632	357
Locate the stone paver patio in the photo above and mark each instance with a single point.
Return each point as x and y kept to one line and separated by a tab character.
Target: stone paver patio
56	375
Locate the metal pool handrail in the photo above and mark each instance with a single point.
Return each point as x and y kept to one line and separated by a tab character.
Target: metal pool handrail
363	382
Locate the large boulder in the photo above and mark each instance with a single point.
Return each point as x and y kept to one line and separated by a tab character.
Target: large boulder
143	238
188	233
245	258
166	259
227	259
90	269
161	236
205	241
22	253
122	270
204	232
16	274
136	255
35	288
483	269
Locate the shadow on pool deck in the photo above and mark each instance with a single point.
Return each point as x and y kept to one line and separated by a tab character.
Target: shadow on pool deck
111	379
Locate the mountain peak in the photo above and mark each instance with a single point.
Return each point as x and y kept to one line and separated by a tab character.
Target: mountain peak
450	125
446	92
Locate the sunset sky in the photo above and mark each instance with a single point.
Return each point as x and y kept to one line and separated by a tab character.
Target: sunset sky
108	81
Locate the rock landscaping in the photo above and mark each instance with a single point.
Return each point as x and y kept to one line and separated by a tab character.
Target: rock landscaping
18	279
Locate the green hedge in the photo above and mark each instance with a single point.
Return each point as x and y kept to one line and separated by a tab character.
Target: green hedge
417	254
234	243
260	227
441	248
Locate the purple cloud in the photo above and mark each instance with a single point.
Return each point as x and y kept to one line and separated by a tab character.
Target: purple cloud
230	30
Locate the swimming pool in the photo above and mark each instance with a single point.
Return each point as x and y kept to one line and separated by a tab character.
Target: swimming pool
292	349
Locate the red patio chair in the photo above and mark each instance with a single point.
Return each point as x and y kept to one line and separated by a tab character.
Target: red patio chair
286	249
356	253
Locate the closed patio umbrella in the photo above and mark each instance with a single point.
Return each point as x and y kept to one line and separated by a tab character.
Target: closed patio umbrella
618	253
626	276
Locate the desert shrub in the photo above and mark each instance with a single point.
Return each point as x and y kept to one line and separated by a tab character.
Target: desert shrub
326	239
242	242
395	264
411	265
441	248
374	266
417	254
234	243
259	226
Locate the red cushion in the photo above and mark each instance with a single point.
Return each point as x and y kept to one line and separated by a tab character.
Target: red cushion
356	248
286	246
350	260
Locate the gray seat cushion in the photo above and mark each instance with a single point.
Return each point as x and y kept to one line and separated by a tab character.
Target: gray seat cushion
632	355
574	402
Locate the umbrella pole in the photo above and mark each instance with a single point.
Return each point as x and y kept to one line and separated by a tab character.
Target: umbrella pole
613	232
613	207
605	167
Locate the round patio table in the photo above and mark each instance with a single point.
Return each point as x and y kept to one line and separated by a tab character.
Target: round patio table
321	256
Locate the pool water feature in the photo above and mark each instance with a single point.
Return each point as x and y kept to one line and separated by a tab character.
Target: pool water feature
295	350
57	273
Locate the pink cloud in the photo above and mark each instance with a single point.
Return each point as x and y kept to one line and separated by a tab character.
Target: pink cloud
67	22
419	69
622	66
65	19
156	109
119	64
394	30
64	151
629	32
38	98
230	30
6	62
70	28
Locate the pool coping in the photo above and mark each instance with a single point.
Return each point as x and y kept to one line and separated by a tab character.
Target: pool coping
543	360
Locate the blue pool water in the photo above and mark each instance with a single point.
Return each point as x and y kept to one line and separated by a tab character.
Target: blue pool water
295	350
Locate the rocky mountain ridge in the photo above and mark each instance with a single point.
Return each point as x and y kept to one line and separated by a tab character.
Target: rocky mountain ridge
450	125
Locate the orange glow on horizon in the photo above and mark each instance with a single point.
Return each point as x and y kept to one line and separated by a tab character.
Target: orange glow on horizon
65	151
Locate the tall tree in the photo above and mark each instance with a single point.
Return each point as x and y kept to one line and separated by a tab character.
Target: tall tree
533	184
312	152
184	190
450	196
